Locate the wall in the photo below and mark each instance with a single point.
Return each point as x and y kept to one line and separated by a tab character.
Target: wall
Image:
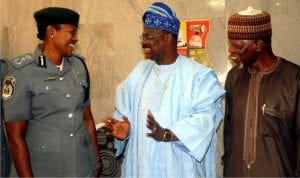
109	31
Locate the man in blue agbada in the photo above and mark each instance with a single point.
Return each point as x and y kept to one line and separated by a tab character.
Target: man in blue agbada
168	109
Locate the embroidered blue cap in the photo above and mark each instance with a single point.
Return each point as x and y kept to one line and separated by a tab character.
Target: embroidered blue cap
161	16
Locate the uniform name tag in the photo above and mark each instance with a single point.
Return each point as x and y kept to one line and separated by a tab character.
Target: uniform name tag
50	78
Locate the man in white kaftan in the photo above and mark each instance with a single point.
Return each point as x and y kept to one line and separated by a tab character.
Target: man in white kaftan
190	107
166	94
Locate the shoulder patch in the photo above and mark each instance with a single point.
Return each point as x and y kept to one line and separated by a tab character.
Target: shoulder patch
21	61
9	85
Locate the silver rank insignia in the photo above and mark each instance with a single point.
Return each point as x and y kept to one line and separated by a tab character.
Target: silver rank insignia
9	86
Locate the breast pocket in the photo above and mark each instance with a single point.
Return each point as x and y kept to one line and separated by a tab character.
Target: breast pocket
274	122
79	89
44	95
274	112
47	95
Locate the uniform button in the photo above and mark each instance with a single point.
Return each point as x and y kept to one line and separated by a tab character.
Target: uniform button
47	88
68	95
70	115
61	78
71	135
42	147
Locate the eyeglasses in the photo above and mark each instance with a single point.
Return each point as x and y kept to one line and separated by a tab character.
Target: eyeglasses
239	48
245	47
149	37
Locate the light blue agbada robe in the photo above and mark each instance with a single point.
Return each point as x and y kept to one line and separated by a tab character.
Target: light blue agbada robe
191	108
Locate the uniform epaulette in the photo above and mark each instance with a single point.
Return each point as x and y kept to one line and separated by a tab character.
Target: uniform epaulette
78	56
87	89
21	61
2	61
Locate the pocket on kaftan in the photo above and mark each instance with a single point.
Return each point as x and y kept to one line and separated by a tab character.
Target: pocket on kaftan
274	112
274	123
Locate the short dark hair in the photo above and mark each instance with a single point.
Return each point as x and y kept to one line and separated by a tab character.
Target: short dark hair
42	28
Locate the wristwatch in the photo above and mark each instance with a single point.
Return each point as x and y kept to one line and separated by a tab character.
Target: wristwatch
167	135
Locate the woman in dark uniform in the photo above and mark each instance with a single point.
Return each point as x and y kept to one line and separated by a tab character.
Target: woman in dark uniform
47	112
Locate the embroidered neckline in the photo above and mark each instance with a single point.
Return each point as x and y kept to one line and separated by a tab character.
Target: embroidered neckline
269	71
